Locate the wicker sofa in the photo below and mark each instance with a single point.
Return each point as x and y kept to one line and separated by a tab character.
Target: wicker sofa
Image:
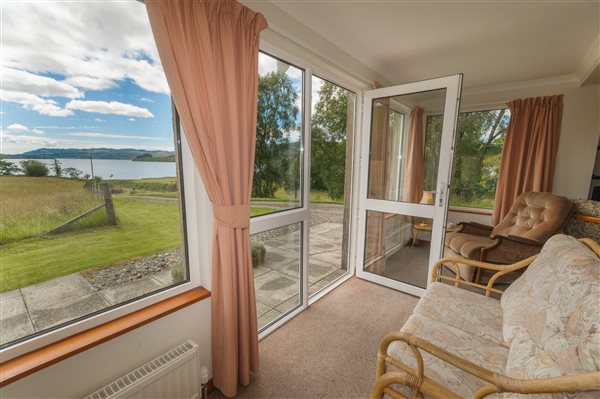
541	337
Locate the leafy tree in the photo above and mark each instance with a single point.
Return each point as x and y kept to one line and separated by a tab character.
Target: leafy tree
328	140
276	119
57	167
73	173
34	168
8	168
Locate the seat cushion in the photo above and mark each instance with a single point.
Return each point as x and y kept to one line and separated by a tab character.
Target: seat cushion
468	311
478	349
467	245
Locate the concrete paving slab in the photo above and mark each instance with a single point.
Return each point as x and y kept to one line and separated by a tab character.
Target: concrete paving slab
288	305
165	278
268	318
11	304
284	244
324	228
275	257
325	281
335	235
261	308
15	327
133	289
68	310
318	244
274	288
55	291
330	258
260	270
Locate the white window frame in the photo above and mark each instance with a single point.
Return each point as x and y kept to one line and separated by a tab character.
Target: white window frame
301	214
196	226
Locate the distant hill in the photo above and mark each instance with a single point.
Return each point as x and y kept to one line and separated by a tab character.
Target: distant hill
96	153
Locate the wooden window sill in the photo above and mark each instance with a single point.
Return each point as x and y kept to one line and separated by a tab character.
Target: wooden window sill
474	211
38	359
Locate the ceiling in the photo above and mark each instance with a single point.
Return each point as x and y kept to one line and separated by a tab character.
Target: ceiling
491	42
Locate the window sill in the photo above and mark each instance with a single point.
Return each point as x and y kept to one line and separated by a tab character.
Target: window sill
31	362
474	211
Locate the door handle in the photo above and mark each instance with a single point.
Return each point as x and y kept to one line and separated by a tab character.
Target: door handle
441	193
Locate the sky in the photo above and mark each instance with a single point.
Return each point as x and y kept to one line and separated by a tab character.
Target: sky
87	74
81	75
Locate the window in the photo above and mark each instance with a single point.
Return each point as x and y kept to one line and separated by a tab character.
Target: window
91	180
478	151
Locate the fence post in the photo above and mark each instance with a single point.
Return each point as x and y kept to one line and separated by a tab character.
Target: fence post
108	204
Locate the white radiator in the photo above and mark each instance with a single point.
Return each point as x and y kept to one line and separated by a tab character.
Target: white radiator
175	374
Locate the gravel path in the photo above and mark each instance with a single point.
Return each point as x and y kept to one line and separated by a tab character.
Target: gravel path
133	269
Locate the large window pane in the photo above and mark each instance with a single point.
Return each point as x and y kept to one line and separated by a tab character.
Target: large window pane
277	169
90	215
276	258
332	131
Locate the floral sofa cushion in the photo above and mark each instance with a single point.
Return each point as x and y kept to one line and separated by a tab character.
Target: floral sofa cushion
542	299
552	315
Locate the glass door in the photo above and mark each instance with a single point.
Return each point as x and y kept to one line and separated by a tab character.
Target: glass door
406	165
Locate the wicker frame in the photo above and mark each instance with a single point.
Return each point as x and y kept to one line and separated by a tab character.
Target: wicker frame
421	385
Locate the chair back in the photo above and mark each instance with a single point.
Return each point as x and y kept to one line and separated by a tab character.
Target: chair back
536	216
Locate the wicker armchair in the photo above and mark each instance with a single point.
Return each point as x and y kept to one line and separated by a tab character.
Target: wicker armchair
533	218
431	363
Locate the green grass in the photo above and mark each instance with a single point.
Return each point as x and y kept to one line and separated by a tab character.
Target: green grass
162	184
483	203
258	210
316	196
34	205
144	228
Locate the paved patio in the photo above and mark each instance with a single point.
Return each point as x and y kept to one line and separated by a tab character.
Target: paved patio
277	281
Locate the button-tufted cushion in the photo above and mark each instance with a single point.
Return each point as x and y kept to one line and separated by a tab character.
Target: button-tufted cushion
534	215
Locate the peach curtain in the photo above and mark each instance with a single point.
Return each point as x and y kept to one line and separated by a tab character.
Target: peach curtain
209	52
529	153
414	176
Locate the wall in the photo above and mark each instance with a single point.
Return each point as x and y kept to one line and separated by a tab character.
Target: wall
81	374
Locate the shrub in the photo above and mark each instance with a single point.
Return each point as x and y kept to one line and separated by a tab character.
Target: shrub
258	253
177	272
34	168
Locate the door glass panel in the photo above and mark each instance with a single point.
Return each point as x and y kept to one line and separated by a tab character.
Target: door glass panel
277	263
332	128
404	151
397	247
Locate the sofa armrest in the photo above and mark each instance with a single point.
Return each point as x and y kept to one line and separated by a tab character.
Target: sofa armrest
510	249
477	229
417	380
501	270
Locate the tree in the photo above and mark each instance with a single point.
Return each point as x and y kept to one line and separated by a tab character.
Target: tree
276	119
328	140
8	168
34	168
73	173
57	167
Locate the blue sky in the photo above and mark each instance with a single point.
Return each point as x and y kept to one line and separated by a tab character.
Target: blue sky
90	78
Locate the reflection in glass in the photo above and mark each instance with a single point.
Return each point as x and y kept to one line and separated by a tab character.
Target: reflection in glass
332	128
397	247
404	150
277	168
277	267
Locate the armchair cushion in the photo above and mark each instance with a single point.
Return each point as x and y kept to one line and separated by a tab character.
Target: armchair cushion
535	215
467	245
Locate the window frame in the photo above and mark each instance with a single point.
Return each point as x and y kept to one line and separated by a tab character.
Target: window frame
190	228
468	110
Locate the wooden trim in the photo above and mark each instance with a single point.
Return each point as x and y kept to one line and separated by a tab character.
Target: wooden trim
473	211
586	218
24	365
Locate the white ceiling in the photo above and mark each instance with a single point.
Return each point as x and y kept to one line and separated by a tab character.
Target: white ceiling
491	42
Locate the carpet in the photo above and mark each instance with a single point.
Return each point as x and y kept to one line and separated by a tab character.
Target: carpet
330	349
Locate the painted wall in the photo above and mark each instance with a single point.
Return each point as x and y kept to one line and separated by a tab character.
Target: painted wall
82	374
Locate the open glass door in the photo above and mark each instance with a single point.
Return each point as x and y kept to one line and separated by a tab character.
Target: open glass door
406	163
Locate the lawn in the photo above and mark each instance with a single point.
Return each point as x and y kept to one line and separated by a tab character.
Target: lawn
316	196
34	205
144	228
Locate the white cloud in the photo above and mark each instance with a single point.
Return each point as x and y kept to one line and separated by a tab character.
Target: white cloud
30	140
91	83
268	64
94	45
18	127
34	102
23	81
99	120
131	119
112	107
37	131
116	136
146	100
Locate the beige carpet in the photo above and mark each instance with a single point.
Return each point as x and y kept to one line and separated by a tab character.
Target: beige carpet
329	350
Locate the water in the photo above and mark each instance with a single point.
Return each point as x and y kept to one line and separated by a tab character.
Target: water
118	168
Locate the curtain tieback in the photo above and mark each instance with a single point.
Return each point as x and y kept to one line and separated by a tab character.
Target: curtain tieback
232	216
